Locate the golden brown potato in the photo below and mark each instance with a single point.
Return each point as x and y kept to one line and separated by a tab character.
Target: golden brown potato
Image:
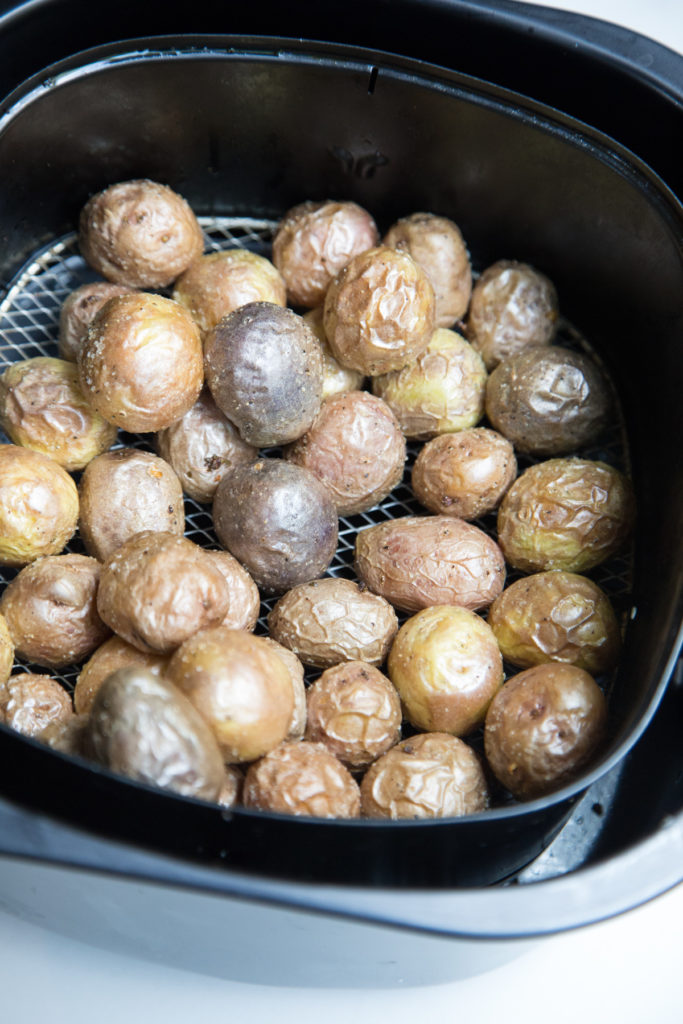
446	665
303	779
295	668
379	312
6	651
139	233
356	448
141	364
464	474
244	600
157	590
123	493
38	506
431	775
219	282
543	727
336	378
418	561
314	241
113	654
556	616
33	702
78	312
443	390
436	243
569	514
332	620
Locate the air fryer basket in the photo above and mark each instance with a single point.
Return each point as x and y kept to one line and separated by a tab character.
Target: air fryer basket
246	128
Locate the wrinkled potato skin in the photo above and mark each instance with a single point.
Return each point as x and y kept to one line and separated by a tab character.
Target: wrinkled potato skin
334	620
379	312
201	446
464	474
240	686
141	726
356	449
556	616
158	589
569	514
418	561
437	245
431	775
543	727
6	652
548	400
43	407
446	665
220	282
264	369
336	378
30	703
278	520
123	493
355	712
113	654
38	506
139	233
314	241
244	600
295	668
51	610
303	779
443	390
141	364
513	306
79	310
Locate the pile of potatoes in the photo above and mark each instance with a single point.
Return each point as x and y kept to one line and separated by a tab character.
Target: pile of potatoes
286	394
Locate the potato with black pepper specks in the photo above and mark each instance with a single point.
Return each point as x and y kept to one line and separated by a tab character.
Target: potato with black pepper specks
336	378
464	474
79	310
30	703
113	654
303	779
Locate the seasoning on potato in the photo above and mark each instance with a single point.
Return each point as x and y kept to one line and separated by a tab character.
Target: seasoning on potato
30	703
79	310
113	654
464	474
336	378
303	779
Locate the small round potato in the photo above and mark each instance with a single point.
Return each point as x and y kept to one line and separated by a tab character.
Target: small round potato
569	514
113	654
141	364
556	616
333	620
513	306
303	779
43	407
220	282
78	312
355	712
6	651
356	448
201	446
31	703
264	369
336	378
436	243
38	506
240	686
314	241
379	312
51	610
244	599
295	668
123	493
446	665
443	390
431	775
418	561
543	727
158	589
141	726
139	233
464	474
548	400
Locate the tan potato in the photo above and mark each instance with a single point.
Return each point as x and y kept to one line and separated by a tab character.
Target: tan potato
464	474
139	233
336	378
446	665
68	736
244	600
79	310
30	703
51	610
418	561
141	364
333	620
303	779
295	668
6	651
113	654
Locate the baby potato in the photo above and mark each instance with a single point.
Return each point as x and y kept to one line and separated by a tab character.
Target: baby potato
303	779
123	493
464	474
443	390
68	736
79	310
38	506
336	378
30	703
6	651
556	616
113	654
446	665
418	561
355	448
244	600
333	620
569	514
295	668
542	727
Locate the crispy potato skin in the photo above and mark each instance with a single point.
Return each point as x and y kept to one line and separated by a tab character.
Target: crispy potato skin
303	779
78	312
113	654
30	703
464	474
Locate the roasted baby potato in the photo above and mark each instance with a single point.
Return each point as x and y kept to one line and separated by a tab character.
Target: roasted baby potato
38	506
113	654
244	600
29	703
302	779
464	474
336	378
79	310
